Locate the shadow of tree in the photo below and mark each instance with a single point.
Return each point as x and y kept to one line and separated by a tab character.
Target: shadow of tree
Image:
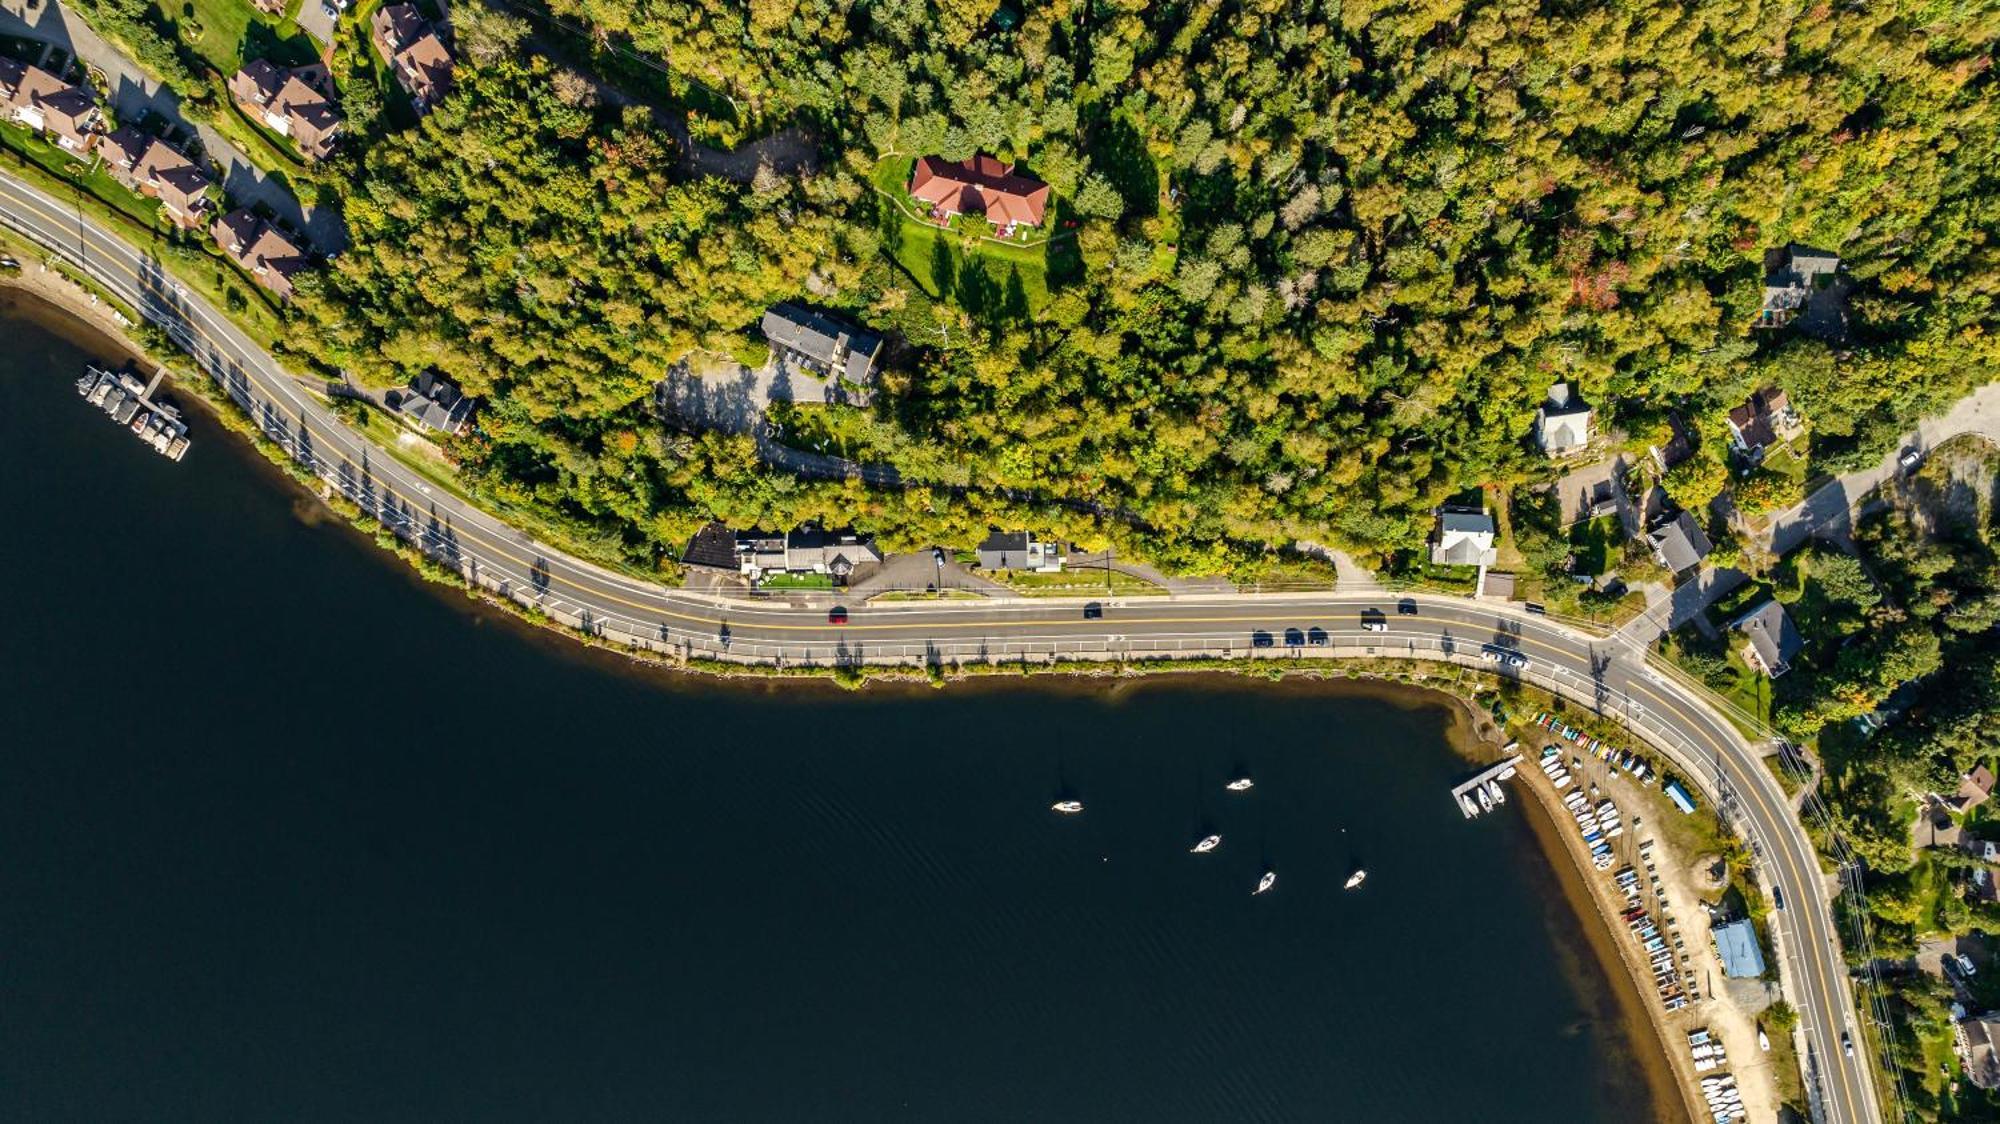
1119	152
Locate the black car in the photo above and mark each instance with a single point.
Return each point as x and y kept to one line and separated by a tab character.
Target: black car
1407	607
1261	639
1093	611
1316	637
837	615
1294	637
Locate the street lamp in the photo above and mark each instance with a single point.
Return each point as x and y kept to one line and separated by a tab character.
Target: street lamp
937	559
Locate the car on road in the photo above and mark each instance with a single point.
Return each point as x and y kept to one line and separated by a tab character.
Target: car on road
1910	459
837	615
1316	637
1262	639
1407	607
1493	653
1375	626
1093	612
1847	1043
1534	608
1777	898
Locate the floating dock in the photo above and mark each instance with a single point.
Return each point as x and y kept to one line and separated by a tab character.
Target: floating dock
1466	795
130	403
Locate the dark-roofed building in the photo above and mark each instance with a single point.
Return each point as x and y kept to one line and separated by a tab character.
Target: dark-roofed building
822	343
409	44
1974	787
979	186
121	149
1792	276
176	181
1736	943
1463	537
1763	421
1678	446
712	548
435	404
295	102
1771	643
1020	550
45	103
1679	544
260	250
1562	425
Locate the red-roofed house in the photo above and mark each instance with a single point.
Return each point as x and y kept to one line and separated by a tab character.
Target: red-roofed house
979	186
33	97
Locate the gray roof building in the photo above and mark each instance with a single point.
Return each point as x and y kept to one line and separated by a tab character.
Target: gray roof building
1773	643
1978	1041
435	404
821	343
1736	942
1562	425
1463	538
807	550
1679	543
1019	550
1791	277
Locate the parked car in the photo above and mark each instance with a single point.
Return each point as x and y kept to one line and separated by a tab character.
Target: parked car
1535	608
1294	637
837	615
1407	607
1375	626
1262	639
1093	611
1847	1043
1316	637
1910	459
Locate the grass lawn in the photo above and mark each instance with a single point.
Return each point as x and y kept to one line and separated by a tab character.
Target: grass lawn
229	33
918	595
1078	583
796	581
989	280
1744	689
1598	544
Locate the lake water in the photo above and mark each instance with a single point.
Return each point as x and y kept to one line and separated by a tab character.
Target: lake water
287	835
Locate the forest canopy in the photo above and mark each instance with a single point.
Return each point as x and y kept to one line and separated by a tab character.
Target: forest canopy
1313	266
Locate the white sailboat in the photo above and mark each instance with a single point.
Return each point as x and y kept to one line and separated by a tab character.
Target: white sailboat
1241	784
1355	879
1067	807
1493	787
1485	801
1206	845
1269	880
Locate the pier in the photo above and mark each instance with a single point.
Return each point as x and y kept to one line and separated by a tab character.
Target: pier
130	403
1465	795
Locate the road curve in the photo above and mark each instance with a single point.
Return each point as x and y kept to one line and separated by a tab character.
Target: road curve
1594	672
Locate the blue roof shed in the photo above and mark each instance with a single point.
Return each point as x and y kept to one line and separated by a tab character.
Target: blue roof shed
1737	942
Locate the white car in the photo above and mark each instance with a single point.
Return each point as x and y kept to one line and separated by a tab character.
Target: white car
1375	626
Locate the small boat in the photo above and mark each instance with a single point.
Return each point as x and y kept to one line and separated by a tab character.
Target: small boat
1493	787
1485	801
1206	845
1240	784
1471	809
1763	1040
1067	807
1269	880
1355	879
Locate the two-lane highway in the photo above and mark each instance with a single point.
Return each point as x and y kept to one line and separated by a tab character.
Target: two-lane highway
1591	671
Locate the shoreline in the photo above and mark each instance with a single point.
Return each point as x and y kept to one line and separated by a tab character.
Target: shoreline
53	302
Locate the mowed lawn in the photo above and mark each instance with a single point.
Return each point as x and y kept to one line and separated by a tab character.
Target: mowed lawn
988	279
233	33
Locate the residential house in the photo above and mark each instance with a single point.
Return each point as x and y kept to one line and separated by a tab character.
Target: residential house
260	250
1977	1040
155	168
1736	943
804	551
1562	425
434	403
41	101
1792	277
410	46
1763	421
822	343
1771	642
1679	544
980	186
1463	537
1020	550
1973	789
295	103
1678	447
713	547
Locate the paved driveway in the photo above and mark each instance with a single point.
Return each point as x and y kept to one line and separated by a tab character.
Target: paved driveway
133	94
